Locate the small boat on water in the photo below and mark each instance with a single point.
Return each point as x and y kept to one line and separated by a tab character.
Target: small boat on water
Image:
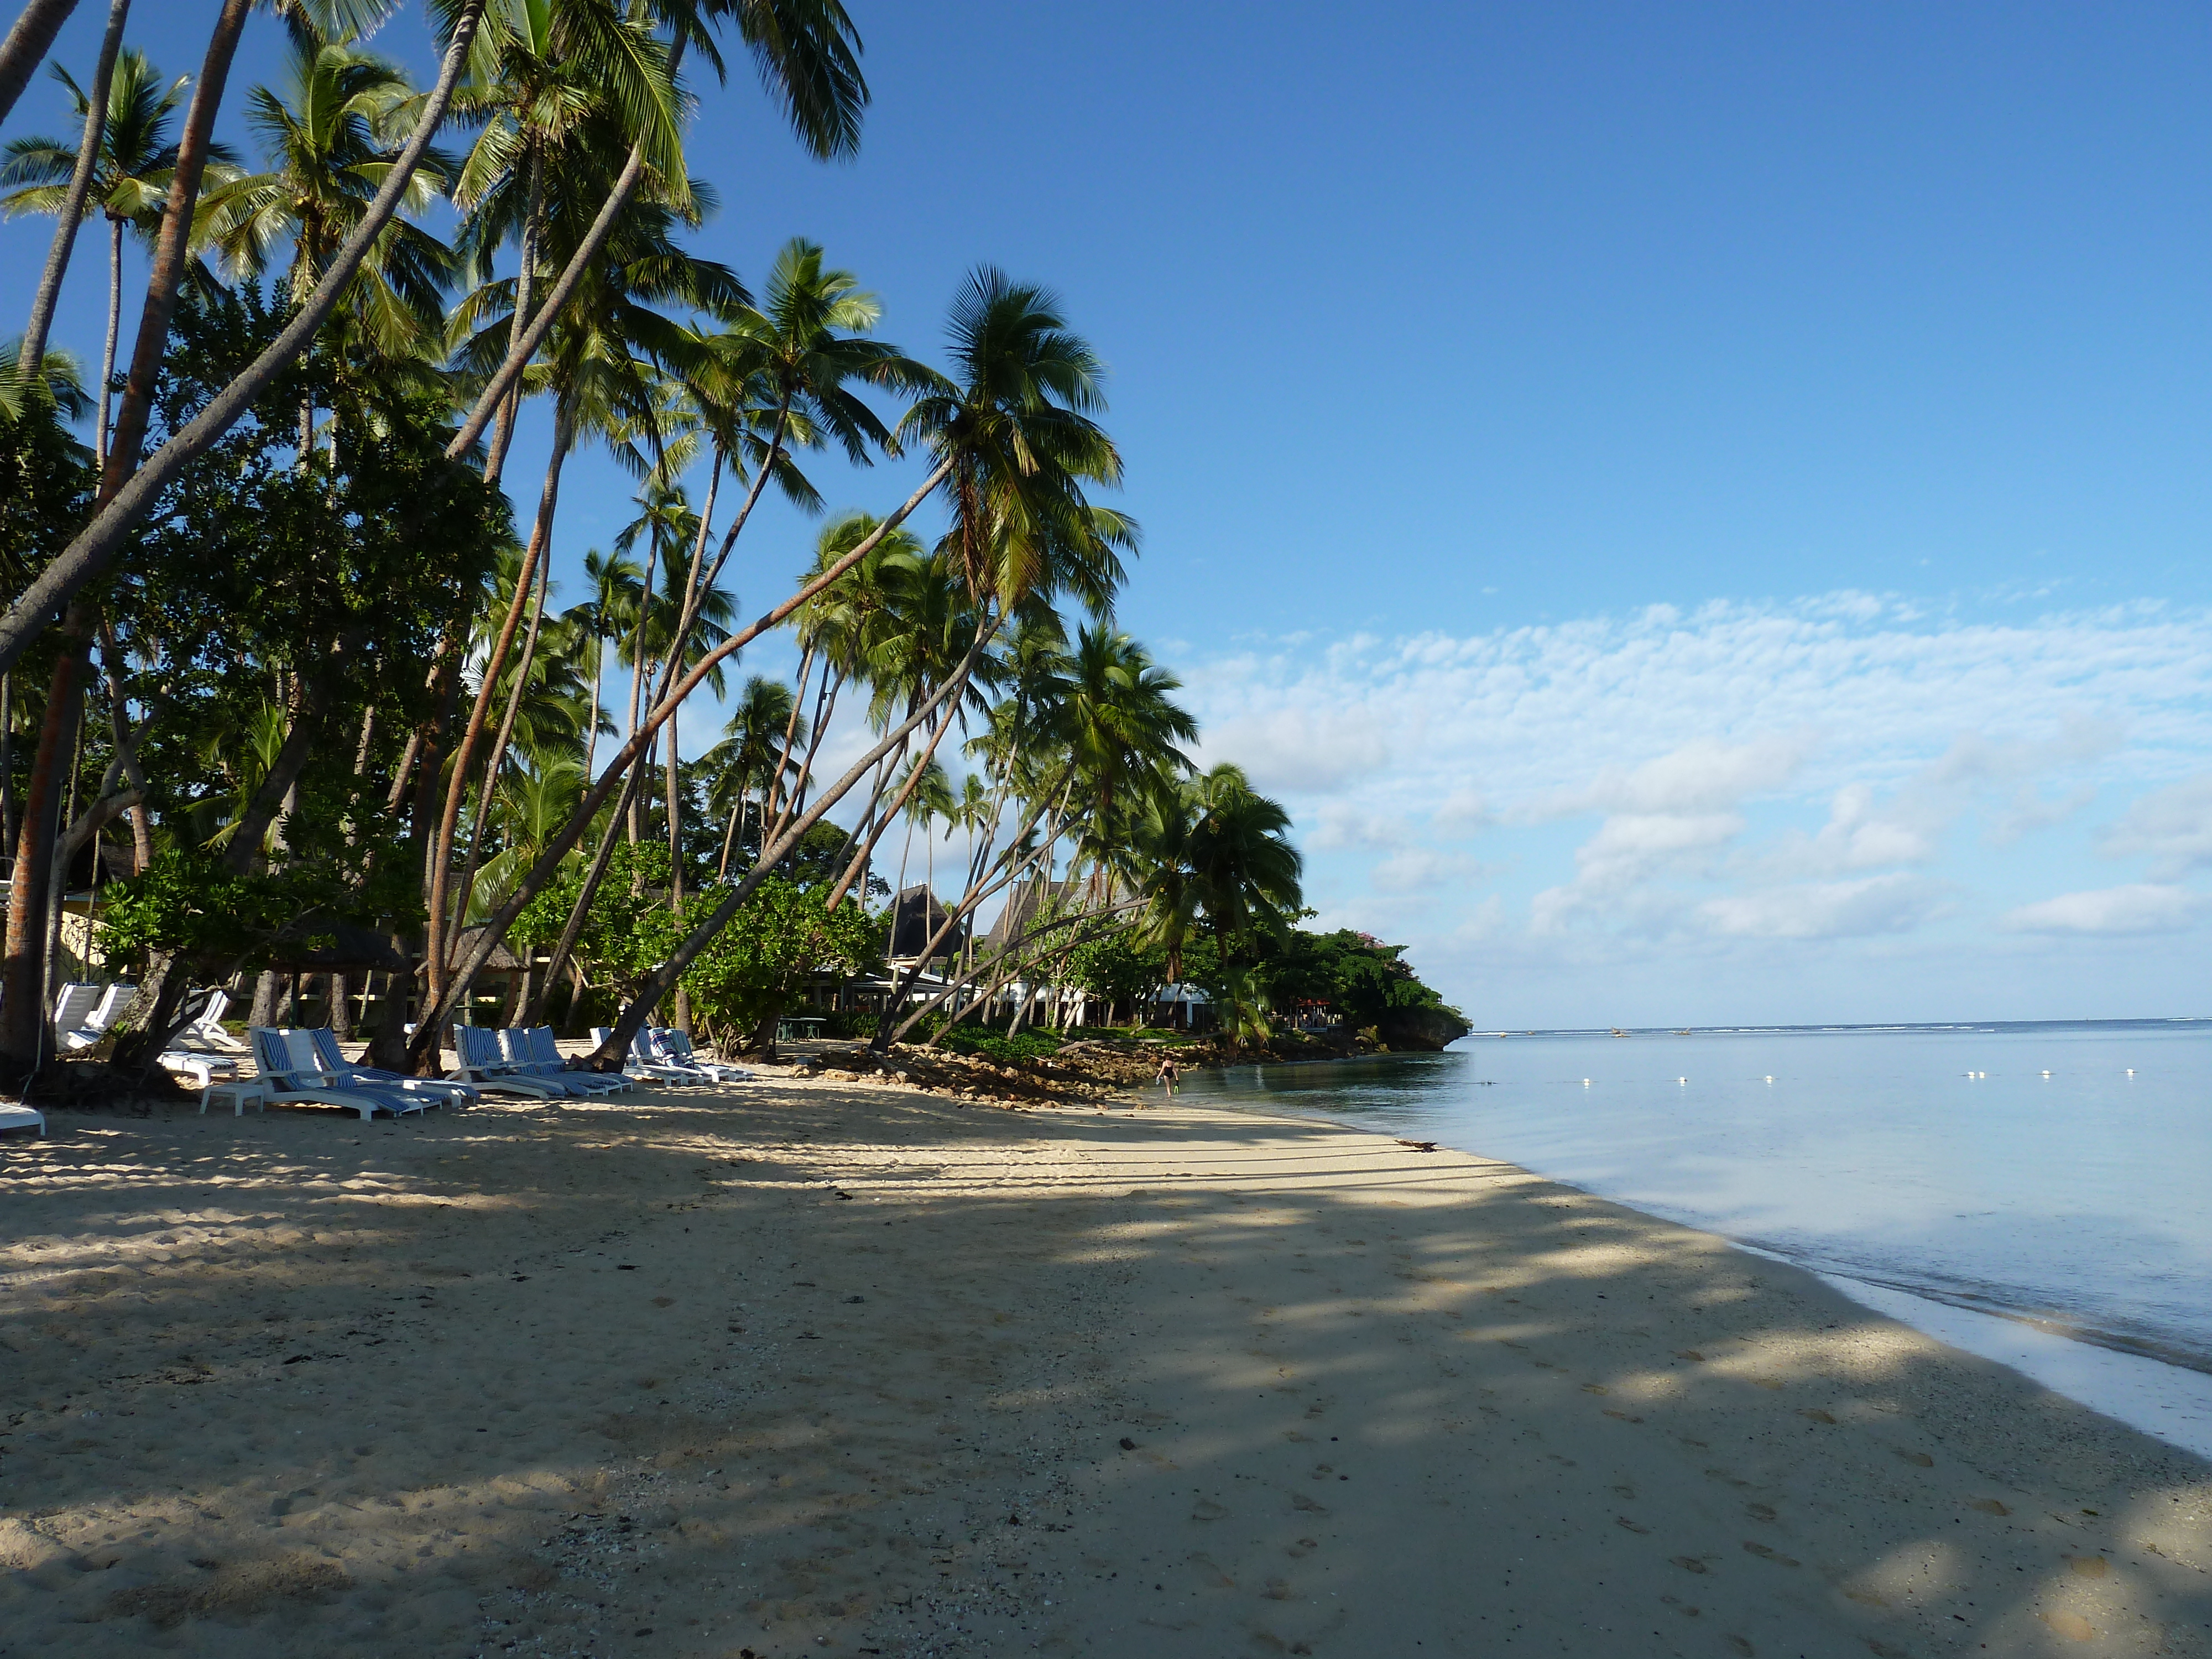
1617	1031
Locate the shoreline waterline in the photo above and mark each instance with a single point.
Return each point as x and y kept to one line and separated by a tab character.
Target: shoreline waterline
2126	1361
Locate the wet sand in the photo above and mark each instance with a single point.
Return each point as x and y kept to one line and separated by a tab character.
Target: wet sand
834	1368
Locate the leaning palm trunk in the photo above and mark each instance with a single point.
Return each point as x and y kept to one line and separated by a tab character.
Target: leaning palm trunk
496	761
33	351
128	491
573	929
534	333
888	816
1007	967
658	983
564	430
548	861
27	46
533	225
978	890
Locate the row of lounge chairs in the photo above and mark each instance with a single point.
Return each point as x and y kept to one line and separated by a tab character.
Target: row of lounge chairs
666	1056
306	1066
83	1012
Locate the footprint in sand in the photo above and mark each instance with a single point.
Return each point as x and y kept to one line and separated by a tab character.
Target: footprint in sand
2071	1626
1206	1510
1918	1460
1300	1501
1989	1506
1766	1555
1303	1548
2088	1566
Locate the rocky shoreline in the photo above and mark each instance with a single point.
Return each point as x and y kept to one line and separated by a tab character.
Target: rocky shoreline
1100	1072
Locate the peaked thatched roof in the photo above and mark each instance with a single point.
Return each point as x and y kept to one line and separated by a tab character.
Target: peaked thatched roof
500	960
1023	907
915	917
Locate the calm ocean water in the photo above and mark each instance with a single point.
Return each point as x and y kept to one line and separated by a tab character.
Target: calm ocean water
2055	1172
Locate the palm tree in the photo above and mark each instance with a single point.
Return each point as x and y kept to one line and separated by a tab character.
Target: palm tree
331	136
544	68
135	165
616	586
1121	727
807	53
780	374
1013	429
753	754
600	366
1219	850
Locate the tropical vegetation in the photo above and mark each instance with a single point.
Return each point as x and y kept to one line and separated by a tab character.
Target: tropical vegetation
288	694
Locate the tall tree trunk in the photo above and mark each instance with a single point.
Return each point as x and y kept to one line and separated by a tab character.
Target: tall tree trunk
27	46
23	1045
637	665
497	760
99	436
557	849
591	724
533	221
534	335
664	978
165	282
73	200
126	749
129	491
441	860
8	762
580	909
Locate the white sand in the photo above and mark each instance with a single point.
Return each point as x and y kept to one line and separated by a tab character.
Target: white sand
632	1378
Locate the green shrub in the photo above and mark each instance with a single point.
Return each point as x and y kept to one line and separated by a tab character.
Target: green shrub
1027	1045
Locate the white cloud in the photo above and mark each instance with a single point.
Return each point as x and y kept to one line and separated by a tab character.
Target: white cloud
1421	870
1464	811
2173	827
2140	907
1729	694
1298	751
1832	910
1339	825
1702	777
2031	810
1725	778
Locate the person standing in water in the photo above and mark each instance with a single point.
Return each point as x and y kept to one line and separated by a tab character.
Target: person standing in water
1168	1075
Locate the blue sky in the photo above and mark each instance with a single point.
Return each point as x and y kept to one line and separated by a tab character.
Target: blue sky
1701	511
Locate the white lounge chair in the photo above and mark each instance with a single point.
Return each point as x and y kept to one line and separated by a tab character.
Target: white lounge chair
22	1117
536	1049
202	1068
73	1005
348	1075
513	1045
675	1047
645	1061
206	1030
292	1075
484	1065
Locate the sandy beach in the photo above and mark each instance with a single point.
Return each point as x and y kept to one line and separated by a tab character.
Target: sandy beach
822	1367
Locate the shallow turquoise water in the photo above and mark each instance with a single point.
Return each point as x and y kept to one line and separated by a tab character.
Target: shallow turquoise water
1940	1161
